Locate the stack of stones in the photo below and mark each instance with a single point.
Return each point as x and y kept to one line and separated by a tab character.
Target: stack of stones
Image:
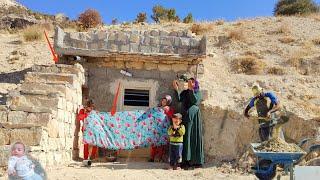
41	113
141	42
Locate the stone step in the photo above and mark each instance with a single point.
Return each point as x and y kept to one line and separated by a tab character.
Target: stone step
51	78
62	90
76	69
44	89
36	103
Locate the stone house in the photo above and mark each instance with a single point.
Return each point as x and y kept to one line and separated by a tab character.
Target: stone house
144	63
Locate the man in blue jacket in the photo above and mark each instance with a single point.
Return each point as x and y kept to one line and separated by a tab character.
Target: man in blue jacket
265	104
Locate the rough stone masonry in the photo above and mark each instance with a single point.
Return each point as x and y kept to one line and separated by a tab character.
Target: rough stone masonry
41	113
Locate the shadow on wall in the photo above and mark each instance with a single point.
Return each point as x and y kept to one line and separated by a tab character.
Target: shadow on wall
14	77
39	168
3	99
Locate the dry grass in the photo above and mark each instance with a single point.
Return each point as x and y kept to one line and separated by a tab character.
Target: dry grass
200	29
248	65
296	59
315	16
253	53
283	29
239	23
286	39
33	33
276	71
236	35
309	107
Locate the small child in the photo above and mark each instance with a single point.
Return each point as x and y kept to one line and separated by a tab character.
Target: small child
19	165
160	151
89	152
176	132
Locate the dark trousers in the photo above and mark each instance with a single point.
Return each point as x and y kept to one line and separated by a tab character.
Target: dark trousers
175	153
265	132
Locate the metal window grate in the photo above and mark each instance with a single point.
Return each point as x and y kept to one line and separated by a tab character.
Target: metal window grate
136	97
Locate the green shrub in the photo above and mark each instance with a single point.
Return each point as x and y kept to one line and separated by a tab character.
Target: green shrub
90	18
188	19
162	14
294	7
141	17
159	13
172	16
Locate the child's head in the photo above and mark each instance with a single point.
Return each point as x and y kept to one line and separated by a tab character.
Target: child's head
18	149
90	105
176	118
165	101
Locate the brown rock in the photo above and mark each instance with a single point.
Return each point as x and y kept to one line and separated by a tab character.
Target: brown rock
34	103
39	118
29	136
179	67
134	65
164	67
51	78
43	89
150	66
16	117
119	64
4	136
4	154
134	38
3	116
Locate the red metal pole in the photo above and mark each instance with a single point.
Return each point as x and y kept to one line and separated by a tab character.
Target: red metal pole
55	57
115	100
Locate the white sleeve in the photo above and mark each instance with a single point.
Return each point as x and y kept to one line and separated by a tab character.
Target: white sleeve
11	164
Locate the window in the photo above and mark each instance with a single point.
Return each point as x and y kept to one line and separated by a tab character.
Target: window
136	97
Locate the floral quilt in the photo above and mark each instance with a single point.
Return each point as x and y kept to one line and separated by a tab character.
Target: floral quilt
126	130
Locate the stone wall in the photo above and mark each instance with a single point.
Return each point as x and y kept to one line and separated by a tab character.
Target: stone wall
103	82
41	113
98	43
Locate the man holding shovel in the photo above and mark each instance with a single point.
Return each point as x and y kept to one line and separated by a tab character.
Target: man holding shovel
266	104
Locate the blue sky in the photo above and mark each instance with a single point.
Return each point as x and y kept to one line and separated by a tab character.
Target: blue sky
126	10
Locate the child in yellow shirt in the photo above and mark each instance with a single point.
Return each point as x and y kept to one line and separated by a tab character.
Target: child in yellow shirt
176	132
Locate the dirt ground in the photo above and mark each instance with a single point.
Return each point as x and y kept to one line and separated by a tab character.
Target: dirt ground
137	170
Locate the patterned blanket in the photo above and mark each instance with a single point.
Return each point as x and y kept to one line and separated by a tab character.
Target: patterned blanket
126	130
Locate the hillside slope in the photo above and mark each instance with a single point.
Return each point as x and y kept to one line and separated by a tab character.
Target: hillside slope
282	54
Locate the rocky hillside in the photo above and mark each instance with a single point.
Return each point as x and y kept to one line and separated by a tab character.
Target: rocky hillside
282	54
14	16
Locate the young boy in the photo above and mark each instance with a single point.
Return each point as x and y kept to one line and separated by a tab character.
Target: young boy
176	132
19	165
